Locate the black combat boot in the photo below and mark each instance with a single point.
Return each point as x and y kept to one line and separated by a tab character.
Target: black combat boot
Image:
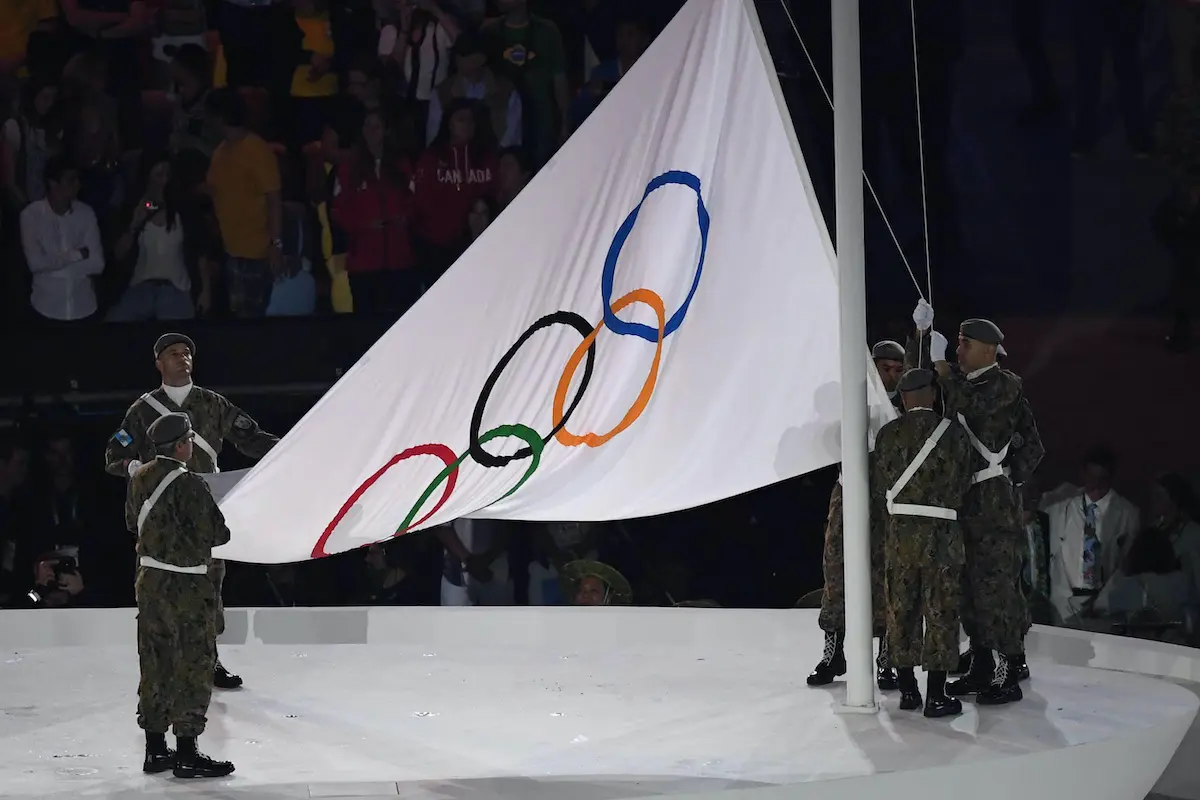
1020	665
978	677
159	757
964	663
833	661
937	704
910	694
191	763
223	678
1006	684
885	676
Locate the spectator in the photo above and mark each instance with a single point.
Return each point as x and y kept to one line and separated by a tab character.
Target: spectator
418	42
61	241
528	50
476	563
56	581
474	81
479	217
245	187
362	83
181	23
373	206
512	174
32	137
294	292
260	43
1089	534
192	127
457	169
632	40
1161	569
314	83
174	255
14	471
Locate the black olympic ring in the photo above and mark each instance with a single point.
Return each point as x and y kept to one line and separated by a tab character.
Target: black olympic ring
486	459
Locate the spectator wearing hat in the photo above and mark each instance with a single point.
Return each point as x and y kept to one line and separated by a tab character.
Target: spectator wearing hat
594	583
474	80
214	420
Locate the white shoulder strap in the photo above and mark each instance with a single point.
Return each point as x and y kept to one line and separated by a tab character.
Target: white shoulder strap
156	495
919	459
995	461
200	441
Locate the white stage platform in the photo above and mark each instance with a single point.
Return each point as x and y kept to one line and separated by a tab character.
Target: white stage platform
573	704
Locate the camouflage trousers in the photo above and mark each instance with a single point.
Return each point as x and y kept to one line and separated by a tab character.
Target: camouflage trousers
925	563
994	613
176	649
833	597
216	576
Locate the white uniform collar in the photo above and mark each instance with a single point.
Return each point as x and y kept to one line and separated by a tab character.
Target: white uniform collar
976	373
178	393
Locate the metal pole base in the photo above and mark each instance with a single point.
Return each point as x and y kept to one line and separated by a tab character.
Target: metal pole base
841	708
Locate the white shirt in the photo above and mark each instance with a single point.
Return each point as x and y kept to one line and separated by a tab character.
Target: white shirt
53	243
1117	521
160	256
433	56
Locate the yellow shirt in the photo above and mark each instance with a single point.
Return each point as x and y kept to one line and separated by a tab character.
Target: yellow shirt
18	18
241	175
220	69
318	38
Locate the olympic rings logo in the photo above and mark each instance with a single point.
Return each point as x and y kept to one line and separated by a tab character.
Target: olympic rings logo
561	411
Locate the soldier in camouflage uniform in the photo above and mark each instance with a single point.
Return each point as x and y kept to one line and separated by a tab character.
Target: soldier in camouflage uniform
178	524
889	362
215	421
593	583
990	404
920	475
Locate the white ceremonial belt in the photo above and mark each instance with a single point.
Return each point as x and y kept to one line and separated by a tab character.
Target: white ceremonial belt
994	471
912	510
154	563
155	496
995	461
200	441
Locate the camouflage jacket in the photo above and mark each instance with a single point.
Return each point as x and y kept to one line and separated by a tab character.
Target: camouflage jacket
213	417
942	481
995	409
184	525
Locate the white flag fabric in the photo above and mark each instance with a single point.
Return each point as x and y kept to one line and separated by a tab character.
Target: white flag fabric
651	326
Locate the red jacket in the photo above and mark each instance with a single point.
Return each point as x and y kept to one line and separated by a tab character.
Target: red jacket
376	216
448	180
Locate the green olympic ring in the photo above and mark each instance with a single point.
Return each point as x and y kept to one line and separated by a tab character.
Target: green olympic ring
522	432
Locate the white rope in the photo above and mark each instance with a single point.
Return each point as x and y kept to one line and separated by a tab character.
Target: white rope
829	99
912	8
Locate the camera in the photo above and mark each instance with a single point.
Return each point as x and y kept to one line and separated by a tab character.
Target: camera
65	566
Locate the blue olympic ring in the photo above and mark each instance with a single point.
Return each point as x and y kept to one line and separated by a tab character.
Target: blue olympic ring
648	332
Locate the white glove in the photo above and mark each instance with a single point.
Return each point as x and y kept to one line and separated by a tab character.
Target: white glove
923	315
937	347
133	467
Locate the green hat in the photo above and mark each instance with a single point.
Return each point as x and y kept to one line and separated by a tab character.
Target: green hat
168	339
170	428
887	349
697	604
619	592
916	379
981	330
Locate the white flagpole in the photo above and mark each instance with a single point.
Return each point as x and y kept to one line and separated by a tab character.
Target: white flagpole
848	182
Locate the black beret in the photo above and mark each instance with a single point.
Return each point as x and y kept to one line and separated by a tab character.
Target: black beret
981	330
916	379
887	349
168	339
170	428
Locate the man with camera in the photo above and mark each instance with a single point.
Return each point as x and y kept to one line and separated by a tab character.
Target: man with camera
56	581
215	420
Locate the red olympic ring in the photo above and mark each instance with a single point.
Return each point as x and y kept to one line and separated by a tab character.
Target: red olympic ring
440	451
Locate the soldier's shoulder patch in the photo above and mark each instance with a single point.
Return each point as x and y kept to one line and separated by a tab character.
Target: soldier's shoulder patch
123	438
242	422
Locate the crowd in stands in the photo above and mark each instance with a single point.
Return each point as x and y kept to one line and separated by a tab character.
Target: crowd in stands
248	158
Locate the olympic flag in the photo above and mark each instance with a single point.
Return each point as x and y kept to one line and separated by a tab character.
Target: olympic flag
651	326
